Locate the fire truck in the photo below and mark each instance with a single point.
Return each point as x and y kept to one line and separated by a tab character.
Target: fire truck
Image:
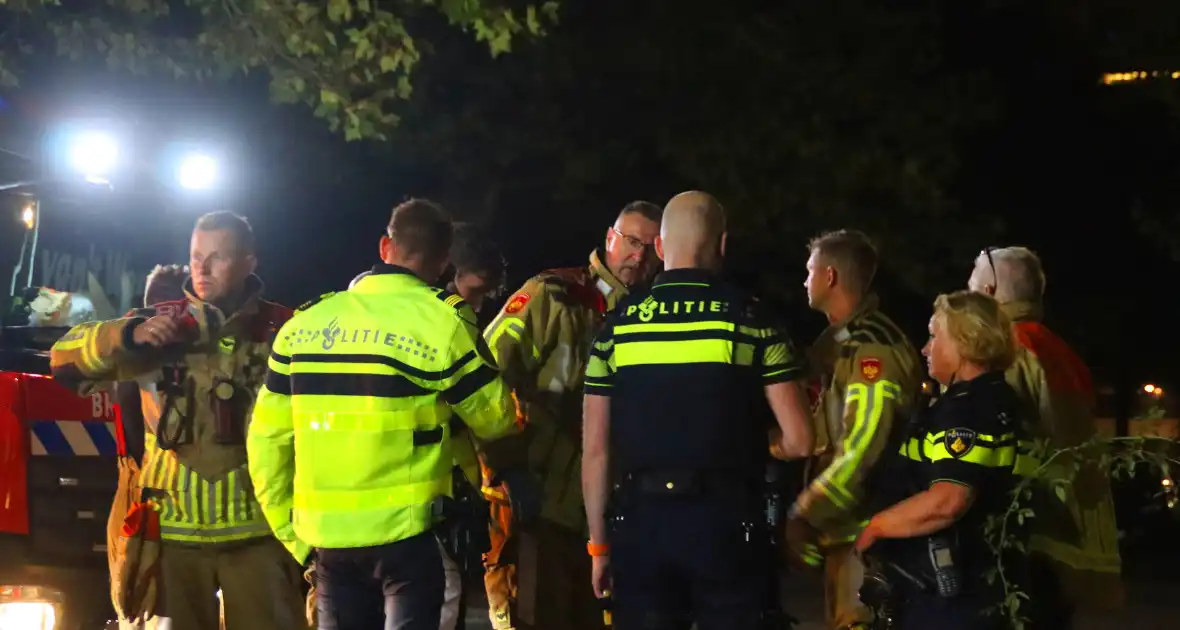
58	475
59	450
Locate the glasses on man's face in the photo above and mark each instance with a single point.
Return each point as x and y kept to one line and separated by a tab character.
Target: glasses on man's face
634	243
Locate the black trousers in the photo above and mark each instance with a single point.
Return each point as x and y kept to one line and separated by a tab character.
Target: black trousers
928	611
398	586
680	560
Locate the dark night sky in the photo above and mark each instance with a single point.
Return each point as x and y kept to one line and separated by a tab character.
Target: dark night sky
1055	167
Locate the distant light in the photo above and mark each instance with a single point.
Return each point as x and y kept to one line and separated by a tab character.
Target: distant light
1167	482
28	217
1153	390
1138	75
197	172
94	155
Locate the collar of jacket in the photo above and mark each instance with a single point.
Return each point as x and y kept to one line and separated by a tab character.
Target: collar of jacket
384	276
606	282
839	330
673	276
1023	311
249	306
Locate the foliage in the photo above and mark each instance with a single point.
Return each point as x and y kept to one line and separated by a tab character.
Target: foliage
349	60
1122	457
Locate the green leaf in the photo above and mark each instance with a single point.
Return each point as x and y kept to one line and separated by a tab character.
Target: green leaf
1059	490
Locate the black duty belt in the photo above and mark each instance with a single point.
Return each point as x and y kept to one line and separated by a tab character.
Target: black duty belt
672	483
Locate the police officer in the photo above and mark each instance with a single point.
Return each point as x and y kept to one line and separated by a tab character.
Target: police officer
199	361
953	468
871	377
350	442
669	406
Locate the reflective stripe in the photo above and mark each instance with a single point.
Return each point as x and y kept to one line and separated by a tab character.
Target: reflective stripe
989	451
194	509
72	437
836	480
357	499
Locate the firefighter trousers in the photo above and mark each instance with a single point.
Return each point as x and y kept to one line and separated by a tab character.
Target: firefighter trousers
843	574
538	577
258	581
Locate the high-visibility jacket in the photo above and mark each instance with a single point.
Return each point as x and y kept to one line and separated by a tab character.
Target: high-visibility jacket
350	441
1075	523
194	462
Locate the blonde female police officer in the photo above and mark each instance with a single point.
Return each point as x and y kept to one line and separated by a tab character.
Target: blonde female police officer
952	469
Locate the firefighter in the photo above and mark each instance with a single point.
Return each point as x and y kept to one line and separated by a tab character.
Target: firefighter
1075	540
871	380
350	441
479	276
164	284
199	362
670	405
541	339
948	473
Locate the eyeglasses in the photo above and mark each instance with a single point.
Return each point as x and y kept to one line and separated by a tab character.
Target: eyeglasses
987	251
633	242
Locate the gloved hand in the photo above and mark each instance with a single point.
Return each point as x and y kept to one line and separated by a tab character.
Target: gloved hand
524	495
802	543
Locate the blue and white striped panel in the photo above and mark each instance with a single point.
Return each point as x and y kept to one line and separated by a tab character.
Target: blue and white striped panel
61	437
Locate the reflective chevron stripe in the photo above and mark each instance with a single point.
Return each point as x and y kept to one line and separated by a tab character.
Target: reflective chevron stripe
72	437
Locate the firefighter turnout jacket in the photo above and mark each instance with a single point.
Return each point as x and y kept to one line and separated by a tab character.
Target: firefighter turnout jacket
542	339
196	398
1076	531
350	442
872	378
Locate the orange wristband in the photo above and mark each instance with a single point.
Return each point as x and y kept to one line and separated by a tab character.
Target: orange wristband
597	551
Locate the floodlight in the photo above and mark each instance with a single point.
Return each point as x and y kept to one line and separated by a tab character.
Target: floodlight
197	172
94	155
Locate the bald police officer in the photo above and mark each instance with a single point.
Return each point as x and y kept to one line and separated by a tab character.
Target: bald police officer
669	409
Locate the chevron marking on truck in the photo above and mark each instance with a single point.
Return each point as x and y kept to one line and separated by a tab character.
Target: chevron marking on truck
72	437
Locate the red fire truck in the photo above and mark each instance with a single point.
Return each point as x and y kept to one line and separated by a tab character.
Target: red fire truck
58	474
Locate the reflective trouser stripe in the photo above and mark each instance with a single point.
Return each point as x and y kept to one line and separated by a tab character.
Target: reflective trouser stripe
189	532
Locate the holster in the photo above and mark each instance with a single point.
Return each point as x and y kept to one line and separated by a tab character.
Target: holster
135	571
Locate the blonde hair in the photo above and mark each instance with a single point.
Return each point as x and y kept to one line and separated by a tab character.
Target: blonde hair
981	331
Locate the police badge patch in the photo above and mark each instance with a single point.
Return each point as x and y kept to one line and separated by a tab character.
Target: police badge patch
959	442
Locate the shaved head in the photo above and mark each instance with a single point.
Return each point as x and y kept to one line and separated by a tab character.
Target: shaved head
692	233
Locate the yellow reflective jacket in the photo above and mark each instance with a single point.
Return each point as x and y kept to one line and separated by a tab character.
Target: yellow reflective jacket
350	441
541	339
872	377
1076	530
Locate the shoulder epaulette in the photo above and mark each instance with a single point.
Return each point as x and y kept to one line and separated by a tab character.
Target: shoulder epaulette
453	300
310	303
